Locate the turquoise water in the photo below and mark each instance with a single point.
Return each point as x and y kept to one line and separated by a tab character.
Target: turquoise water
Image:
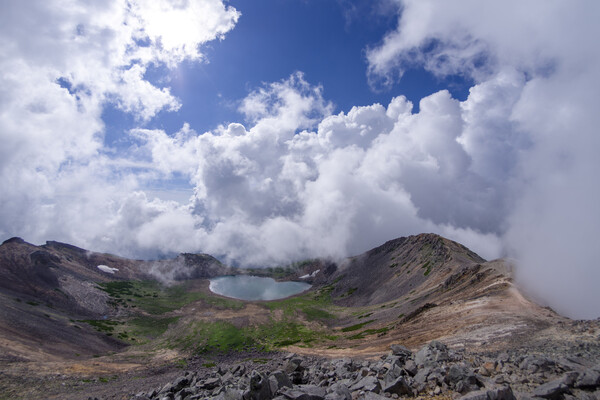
247	287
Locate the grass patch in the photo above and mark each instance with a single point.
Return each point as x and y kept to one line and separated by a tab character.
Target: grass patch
349	293
427	268
224	337
314	305
393	265
149	327
365	315
33	303
221	303
150	296
357	326
102	325
368	332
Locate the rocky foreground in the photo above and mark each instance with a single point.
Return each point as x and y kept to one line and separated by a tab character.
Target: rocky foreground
433	372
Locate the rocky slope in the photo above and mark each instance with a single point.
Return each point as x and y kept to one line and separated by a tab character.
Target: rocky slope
45	290
432	372
74	321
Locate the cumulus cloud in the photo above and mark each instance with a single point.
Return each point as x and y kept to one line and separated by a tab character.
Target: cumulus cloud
298	181
62	63
510	170
530	125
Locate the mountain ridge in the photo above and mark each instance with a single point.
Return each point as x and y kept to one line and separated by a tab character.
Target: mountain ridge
409	290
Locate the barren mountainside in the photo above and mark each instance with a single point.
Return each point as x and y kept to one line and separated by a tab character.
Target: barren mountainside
98	319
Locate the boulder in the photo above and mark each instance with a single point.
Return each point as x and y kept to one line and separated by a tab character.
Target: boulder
209	384
411	368
590	379
277	380
305	392
368	384
259	387
293	365
400	351
392	374
421	376
229	394
432	354
400	387
552	390
338	391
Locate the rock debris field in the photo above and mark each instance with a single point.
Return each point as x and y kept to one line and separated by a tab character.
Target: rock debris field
433	372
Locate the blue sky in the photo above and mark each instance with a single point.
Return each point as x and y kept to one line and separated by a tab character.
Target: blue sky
325	39
250	130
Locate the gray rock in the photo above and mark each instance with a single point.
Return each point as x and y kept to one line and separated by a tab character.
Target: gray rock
368	384
277	380
411	367
393	374
305	392
229	394
459	372
477	395
431	354
168	388
401	351
503	393
294	364
590	379
259	387
400	387
209	384
338	391
180	383
183	393
421	376
551	390
533	364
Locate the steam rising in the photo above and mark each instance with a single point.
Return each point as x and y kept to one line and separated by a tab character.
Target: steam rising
512	170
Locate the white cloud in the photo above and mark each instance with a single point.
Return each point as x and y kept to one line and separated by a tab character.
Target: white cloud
530	125
512	168
62	62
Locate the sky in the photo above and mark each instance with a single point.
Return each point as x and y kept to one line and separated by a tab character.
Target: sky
270	131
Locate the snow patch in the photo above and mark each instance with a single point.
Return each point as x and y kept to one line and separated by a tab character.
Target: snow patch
107	269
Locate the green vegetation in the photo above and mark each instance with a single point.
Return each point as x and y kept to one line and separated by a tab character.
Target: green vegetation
427	268
365	315
150	296
149	327
181	363
349	293
313	305
33	303
155	301
367	332
102	325
357	326
394	265
222	337
135	330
